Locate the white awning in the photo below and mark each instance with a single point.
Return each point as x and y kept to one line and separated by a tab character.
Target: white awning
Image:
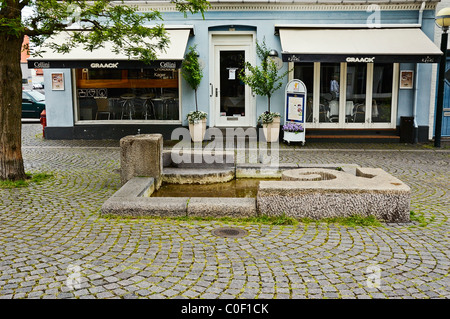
80	58
357	45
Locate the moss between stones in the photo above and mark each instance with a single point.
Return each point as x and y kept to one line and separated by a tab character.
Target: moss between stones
37	178
420	218
281	220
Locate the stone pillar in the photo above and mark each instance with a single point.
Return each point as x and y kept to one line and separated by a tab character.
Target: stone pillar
141	155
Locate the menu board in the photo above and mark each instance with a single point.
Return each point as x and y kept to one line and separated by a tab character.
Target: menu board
295	104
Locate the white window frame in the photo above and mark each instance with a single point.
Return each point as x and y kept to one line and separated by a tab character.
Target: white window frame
223	39
368	124
127	121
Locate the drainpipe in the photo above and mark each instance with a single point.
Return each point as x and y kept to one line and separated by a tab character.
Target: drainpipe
416	84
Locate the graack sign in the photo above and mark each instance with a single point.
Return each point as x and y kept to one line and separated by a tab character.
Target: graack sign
104	65
364	60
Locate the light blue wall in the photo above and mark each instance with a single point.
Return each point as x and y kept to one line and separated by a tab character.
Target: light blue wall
424	88
58	104
264	22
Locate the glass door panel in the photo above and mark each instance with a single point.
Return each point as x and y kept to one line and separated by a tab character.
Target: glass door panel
355	106
305	73
232	104
232	90
382	93
329	92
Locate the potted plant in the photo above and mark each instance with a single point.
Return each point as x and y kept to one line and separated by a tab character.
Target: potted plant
264	80
292	132
271	125
193	75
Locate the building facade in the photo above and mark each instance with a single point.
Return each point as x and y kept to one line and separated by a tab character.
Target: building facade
367	66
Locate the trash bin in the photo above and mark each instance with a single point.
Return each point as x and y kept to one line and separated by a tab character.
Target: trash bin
407	129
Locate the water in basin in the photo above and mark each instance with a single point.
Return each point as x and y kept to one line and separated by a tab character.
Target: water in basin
243	187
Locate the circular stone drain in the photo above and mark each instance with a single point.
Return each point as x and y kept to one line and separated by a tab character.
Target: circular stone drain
230	232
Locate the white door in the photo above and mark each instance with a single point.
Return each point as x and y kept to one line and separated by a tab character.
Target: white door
231	100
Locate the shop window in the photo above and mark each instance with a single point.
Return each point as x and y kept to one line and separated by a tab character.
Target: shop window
364	97
141	94
355	104
382	93
329	92
305	72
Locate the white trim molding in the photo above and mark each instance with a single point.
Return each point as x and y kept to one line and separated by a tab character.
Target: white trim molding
332	5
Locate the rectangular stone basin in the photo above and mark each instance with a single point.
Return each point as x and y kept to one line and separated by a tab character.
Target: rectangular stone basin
133	200
320	193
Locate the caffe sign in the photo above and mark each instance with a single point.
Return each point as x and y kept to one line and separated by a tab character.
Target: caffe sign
168	65
41	65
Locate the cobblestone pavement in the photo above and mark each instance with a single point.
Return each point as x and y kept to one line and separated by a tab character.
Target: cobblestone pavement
55	244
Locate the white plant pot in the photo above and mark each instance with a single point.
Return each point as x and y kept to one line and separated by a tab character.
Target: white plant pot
197	130
272	130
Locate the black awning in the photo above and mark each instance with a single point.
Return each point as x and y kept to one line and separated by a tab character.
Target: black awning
101	64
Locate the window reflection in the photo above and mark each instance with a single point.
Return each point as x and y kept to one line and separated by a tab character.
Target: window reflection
355	106
329	92
305	73
382	93
135	94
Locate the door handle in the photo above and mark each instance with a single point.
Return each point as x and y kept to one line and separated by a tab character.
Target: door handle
217	92
212	89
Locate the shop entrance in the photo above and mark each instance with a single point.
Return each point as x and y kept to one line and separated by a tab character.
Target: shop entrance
230	99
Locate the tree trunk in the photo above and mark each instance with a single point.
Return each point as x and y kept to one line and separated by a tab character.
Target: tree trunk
11	162
196	104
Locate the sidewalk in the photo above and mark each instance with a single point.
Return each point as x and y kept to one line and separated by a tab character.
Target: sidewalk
55	245
32	137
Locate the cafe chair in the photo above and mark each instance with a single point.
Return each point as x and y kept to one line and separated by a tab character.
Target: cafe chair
348	111
127	105
102	109
323	113
359	115
159	108
173	109
334	111
148	106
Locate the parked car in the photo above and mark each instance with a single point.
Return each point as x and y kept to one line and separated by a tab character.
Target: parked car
38	85
33	103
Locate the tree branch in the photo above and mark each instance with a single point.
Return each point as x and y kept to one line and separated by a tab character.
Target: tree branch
23	3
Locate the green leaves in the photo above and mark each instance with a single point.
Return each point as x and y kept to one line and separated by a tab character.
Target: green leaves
264	80
192	6
92	23
196	116
191	71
